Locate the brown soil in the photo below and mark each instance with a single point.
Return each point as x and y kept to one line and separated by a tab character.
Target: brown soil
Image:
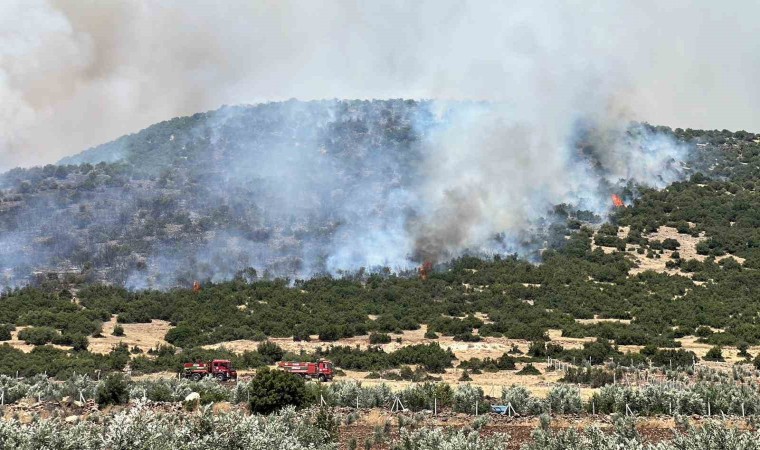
142	335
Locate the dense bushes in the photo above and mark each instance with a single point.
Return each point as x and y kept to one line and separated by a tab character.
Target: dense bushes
431	357
272	390
379	338
594	377
5	332
38	335
113	391
519	299
140	428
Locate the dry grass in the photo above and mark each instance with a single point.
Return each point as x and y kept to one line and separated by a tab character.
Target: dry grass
489	347
687	250
23	346
142	335
491	382
598	319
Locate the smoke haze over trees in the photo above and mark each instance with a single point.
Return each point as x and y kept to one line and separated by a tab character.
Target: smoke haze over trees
302	188
532	109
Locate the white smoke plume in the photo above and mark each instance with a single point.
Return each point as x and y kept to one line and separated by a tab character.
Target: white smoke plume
76	73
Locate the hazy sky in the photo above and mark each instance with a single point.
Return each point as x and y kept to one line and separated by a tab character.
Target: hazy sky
77	73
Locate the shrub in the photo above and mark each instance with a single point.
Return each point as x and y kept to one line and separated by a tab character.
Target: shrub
272	390
506	362
436	438
113	390
522	400
270	352
465	397
430	334
467	337
118	330
329	333
565	400
714	354
38	335
529	369
5	332
79	343
379	338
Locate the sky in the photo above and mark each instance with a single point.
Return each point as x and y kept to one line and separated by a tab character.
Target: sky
77	73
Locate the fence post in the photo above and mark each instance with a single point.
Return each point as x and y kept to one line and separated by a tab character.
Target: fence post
742	409
2	397
593	407
476	407
435	406
708	409
357	402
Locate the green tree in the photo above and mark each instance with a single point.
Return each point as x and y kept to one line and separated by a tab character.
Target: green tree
113	390
714	354
270	352
271	390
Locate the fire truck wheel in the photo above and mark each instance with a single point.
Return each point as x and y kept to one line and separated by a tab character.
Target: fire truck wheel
322	378
220	376
196	377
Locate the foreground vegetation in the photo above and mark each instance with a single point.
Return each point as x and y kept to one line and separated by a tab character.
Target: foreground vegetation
141	428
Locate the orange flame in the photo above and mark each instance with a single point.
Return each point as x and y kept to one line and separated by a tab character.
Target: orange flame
196	286
425	270
617	201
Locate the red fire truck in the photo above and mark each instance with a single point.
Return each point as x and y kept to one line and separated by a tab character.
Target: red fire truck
321	370
221	369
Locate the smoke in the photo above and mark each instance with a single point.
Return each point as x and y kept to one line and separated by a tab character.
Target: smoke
75	73
532	108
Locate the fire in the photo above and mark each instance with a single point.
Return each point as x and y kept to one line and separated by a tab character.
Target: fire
617	201
196	286
425	269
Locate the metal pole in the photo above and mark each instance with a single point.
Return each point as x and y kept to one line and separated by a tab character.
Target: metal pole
476	407
435	406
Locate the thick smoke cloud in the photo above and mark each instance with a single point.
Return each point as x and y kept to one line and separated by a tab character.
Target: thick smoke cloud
75	73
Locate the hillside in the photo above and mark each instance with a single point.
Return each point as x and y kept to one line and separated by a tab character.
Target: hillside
206	196
298	189
677	266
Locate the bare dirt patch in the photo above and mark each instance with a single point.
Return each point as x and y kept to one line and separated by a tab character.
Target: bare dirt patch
488	347
598	319
142	335
15	342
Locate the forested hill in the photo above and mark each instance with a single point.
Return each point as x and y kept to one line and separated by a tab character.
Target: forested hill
205	196
286	188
